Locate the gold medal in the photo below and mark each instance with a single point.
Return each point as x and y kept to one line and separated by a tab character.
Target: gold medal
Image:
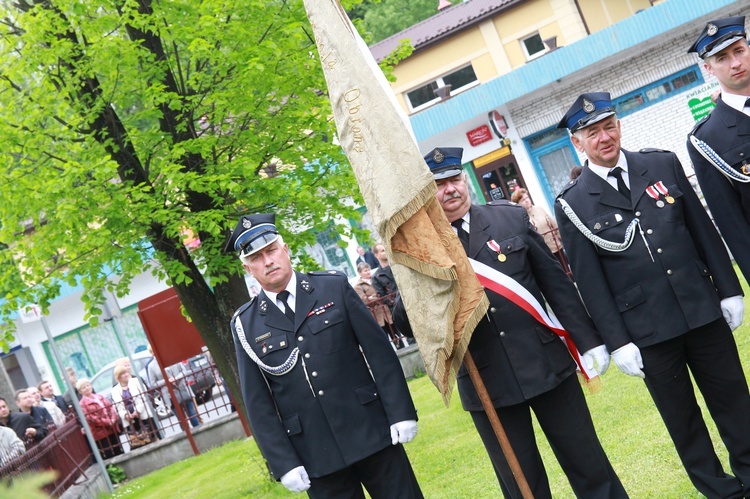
501	257
745	169
669	199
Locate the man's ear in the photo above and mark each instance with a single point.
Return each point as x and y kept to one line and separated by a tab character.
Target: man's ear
576	143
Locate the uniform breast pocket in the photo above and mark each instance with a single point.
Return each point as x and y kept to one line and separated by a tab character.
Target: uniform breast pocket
512	255
329	333
610	226
267	346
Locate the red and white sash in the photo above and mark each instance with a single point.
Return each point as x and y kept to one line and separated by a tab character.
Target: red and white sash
512	290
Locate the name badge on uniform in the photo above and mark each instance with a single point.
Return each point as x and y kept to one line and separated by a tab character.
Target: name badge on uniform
263	337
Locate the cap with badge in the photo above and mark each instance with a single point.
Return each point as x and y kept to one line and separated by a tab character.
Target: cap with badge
588	109
253	233
444	162
718	35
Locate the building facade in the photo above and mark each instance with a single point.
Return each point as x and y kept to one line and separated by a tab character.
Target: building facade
508	91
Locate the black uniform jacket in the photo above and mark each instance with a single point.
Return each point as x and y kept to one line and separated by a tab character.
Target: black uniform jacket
727	132
630	297
517	357
327	412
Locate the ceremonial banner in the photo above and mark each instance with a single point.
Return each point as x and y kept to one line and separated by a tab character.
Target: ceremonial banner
443	297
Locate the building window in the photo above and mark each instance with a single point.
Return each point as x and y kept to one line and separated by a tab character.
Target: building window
657	91
459	80
533	46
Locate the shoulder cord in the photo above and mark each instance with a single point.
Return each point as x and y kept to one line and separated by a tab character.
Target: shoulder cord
601	242
716	160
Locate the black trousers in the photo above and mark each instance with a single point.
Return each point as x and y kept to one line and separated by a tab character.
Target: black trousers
710	354
387	474
566	421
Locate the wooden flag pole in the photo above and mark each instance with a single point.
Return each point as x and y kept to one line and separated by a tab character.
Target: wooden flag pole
510	456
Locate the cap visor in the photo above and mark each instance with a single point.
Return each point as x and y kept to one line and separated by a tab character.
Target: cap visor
450	172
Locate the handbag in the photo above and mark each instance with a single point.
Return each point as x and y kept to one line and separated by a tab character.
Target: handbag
161	408
138	438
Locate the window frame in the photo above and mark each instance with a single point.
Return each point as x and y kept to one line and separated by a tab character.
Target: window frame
649	101
440	81
535	55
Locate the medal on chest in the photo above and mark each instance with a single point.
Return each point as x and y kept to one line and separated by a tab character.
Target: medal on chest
496	248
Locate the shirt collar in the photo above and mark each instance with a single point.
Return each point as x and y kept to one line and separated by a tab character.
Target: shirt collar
603	171
734	101
291	286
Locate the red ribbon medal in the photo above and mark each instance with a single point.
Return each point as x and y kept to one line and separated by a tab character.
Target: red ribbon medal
496	248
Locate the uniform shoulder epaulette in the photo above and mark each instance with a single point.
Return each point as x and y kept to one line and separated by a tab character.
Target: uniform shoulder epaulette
698	125
327	272
564	189
652	149
243	308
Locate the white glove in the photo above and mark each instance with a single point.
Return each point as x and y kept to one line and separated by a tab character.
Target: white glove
733	310
596	360
403	432
628	359
296	480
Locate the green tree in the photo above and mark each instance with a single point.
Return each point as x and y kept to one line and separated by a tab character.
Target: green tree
126	123
383	18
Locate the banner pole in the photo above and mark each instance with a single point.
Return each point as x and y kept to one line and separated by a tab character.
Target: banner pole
502	438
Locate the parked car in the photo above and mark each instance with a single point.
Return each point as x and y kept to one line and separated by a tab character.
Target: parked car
104	379
200	378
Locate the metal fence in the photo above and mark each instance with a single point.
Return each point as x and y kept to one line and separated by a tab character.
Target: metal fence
66	450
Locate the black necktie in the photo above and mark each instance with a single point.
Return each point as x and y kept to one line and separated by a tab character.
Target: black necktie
283	296
617	173
462	234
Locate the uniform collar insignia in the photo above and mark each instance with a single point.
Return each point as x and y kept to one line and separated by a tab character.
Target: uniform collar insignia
588	106
263	306
305	285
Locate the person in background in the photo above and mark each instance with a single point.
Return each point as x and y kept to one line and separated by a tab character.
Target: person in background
542	222
176	374
369	295
129	397
67	396
25	402
382	277
23	424
102	419
57	415
48	395
366	256
10	446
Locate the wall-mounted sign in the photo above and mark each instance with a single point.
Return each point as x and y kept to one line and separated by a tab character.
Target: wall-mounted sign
479	135
497	122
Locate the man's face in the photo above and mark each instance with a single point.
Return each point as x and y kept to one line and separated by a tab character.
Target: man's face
731	67
46	390
380	254
4	410
36	397
600	141
360	250
271	266
24	401
453	196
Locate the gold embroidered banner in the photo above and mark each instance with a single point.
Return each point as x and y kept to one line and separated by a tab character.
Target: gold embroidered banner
443	298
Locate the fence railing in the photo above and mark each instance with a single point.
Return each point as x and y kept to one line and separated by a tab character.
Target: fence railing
63	450
66	450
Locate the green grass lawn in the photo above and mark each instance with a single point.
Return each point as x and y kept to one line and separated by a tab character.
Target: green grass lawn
448	456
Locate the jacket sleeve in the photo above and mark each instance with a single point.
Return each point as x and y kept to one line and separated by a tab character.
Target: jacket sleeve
722	198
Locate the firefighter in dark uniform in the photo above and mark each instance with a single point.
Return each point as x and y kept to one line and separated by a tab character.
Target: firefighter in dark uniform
719	145
524	365
327	420
660	287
